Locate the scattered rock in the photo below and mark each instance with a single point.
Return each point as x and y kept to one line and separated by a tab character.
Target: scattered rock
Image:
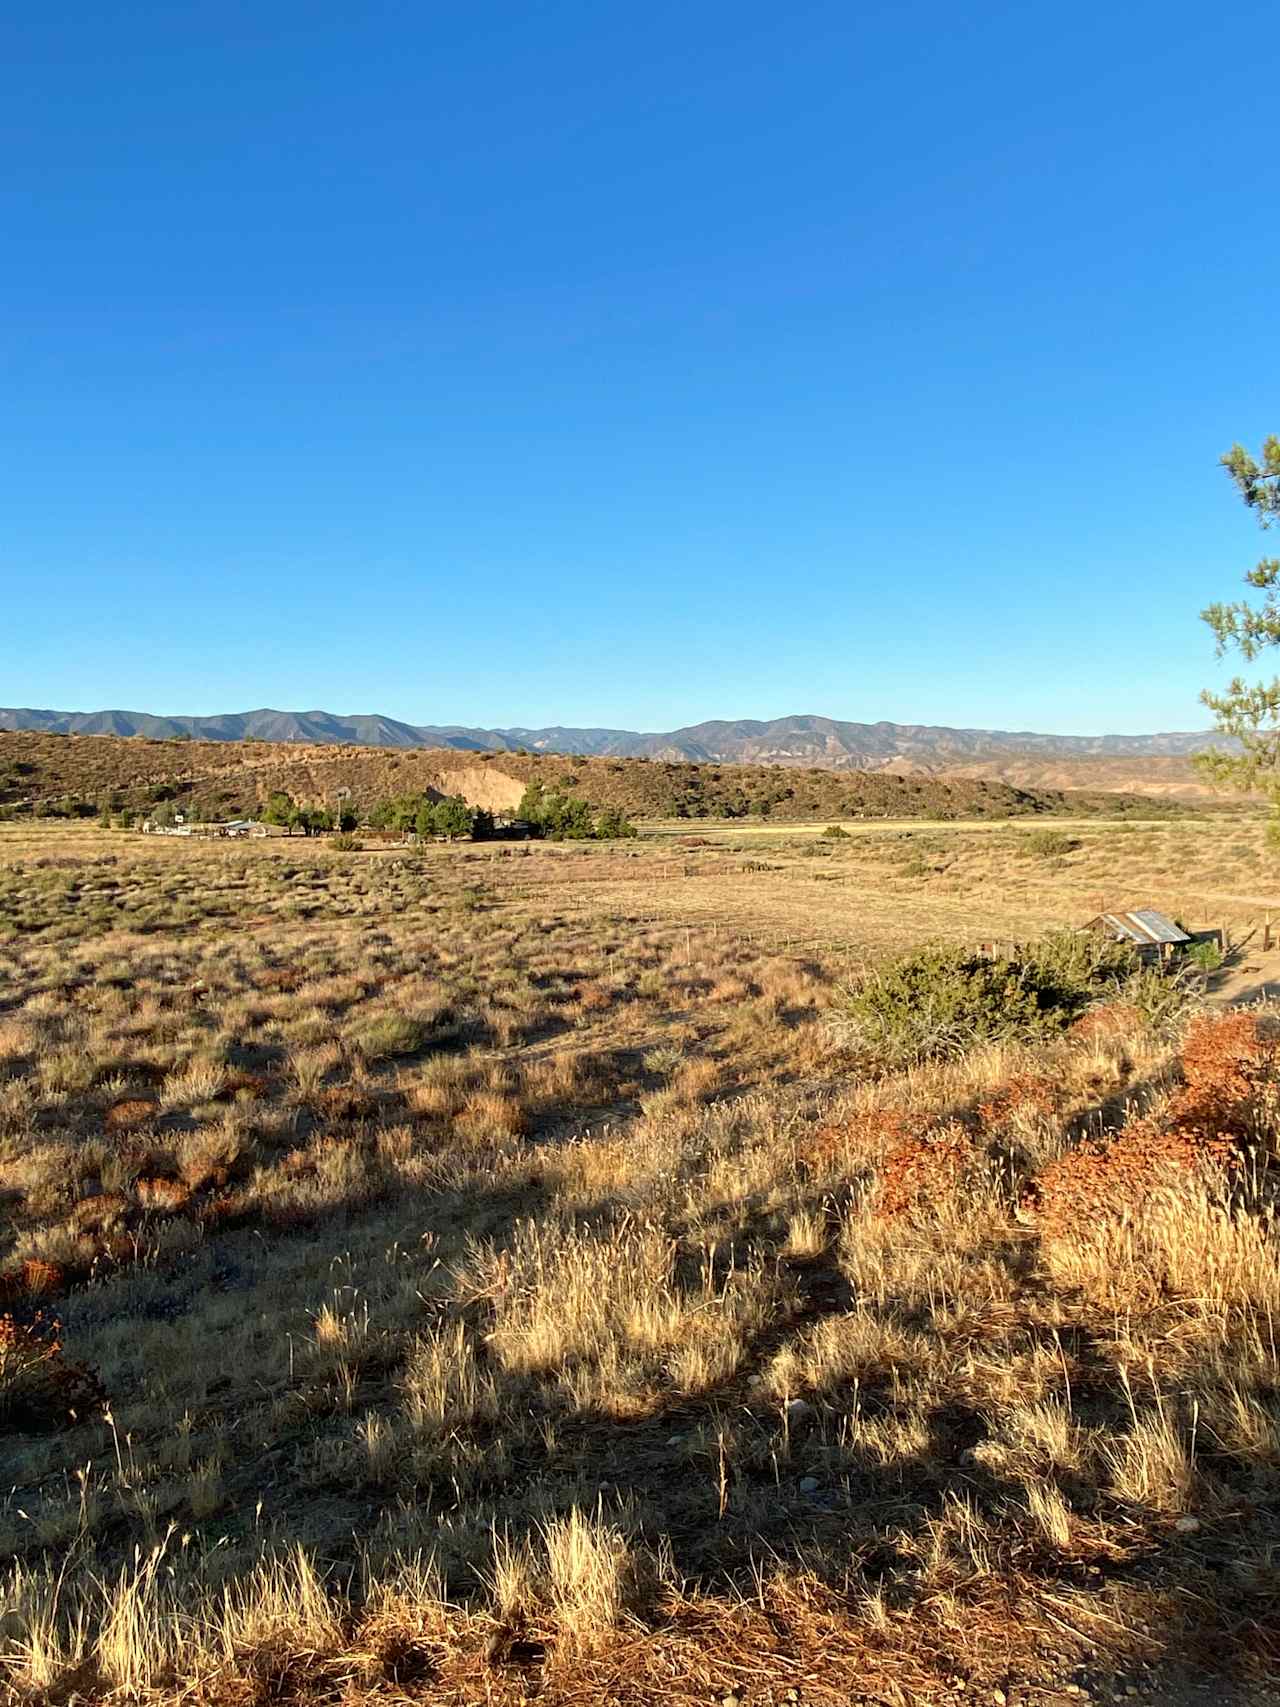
731	1700
808	1484
999	1697
798	1410
1188	1526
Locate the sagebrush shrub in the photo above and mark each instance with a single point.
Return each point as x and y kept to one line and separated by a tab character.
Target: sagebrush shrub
943	1000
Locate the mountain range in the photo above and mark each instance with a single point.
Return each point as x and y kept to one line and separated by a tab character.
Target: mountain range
803	741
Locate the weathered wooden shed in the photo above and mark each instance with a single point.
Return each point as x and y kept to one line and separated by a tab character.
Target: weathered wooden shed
1153	934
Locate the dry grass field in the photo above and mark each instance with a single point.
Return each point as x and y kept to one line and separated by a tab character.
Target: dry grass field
488	1272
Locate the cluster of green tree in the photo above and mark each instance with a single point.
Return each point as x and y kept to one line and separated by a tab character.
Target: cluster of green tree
567	818
451	817
65	806
283	811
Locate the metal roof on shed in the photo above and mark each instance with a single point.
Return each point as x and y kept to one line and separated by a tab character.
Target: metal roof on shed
1145	926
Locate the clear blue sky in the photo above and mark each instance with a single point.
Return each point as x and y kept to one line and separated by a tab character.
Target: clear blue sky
631	364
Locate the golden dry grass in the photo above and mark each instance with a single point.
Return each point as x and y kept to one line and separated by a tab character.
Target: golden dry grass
478	1273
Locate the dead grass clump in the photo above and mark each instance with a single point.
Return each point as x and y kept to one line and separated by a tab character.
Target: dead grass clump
1107	1020
100	1208
492	1114
587	1575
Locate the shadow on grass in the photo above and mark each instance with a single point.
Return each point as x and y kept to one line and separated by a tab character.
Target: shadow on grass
725	1482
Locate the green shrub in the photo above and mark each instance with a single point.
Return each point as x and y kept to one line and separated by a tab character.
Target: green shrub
943	1000
345	843
1162	995
1205	956
835	832
393	1034
1048	844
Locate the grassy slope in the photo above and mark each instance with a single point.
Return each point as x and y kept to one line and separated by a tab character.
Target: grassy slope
235	777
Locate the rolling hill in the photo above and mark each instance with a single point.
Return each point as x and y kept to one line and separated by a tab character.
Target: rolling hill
75	775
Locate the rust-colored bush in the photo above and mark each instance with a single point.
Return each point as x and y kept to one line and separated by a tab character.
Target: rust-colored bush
39	1388
283	978
32	1279
920	1170
1028	1093
250	1086
1105	1180
102	1206
42	1279
130	1113
863	1138
1229	1055
345	1103
166	1196
1226	1061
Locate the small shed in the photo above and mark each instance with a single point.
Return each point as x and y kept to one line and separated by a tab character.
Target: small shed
1153	934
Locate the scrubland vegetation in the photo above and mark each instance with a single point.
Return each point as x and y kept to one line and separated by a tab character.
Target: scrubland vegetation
572	1270
83	776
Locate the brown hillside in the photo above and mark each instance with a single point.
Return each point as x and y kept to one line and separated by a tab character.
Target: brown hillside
40	773
1157	775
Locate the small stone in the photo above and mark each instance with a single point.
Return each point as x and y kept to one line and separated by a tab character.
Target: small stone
999	1697
798	1410
731	1700
676	1440
808	1484
1188	1526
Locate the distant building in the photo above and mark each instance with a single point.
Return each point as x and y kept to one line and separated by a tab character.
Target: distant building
1153	934
236	827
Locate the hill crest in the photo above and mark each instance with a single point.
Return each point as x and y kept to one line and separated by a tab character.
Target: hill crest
804	740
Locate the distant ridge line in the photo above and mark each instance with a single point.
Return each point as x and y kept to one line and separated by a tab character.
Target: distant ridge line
804	740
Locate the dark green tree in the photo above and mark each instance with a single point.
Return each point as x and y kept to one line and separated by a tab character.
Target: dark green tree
1249	713
279	810
452	817
612	826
